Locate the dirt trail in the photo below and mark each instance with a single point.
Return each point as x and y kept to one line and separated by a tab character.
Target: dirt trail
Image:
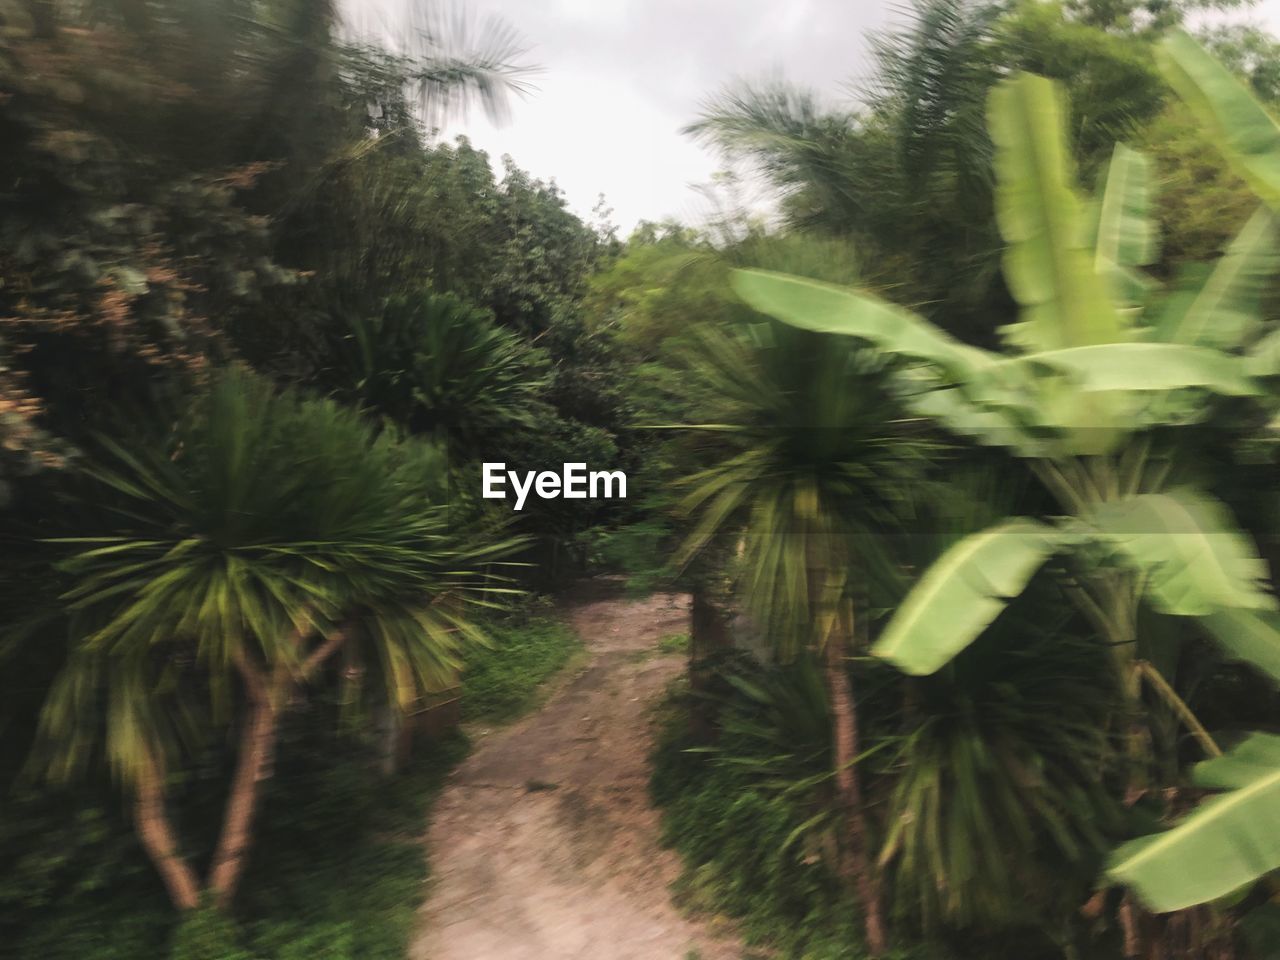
525	871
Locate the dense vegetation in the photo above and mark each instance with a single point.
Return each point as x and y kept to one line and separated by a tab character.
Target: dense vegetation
258	326
968	463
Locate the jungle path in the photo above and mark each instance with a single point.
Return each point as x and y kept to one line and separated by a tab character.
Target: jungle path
544	844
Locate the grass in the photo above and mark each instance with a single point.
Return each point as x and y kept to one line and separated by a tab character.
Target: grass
505	680
741	857
347	884
674	643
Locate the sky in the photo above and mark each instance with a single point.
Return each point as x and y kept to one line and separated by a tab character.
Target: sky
617	80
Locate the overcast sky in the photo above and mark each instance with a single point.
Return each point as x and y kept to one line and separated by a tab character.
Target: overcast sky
619	78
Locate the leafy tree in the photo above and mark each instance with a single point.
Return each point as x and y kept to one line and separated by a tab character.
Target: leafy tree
223	567
1146	15
435	366
1249	52
1231	839
655	289
119	247
507	243
1202	204
810	466
167	178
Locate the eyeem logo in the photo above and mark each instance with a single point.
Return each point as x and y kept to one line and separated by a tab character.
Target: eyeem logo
573	483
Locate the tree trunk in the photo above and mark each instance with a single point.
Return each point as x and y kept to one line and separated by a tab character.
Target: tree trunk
708	634
390	737
253	765
856	862
257	741
151	818
708	625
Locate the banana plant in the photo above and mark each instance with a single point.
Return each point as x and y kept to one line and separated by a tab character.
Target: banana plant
1095	363
1227	843
1248	137
1234	837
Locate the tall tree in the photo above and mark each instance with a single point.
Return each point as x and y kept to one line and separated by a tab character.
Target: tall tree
808	462
265	539
166	172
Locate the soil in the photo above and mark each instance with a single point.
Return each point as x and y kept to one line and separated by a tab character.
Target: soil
544	845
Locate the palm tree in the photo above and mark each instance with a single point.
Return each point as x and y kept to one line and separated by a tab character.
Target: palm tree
263	540
903	166
809	461
438	366
1085	400
905	173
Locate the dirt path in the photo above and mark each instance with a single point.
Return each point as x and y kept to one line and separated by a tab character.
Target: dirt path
527	871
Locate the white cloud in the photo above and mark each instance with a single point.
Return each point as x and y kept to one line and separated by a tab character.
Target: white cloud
594	11
619	78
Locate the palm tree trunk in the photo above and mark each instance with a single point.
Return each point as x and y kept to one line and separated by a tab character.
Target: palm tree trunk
856	863
708	624
257	742
255	757
151	819
708	634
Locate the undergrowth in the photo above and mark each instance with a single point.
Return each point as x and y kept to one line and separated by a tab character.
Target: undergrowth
674	643
336	872
751	815
337	869
504	680
740	858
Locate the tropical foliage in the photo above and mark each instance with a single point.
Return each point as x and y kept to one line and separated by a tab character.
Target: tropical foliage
256	320
267	538
966	461
1086	397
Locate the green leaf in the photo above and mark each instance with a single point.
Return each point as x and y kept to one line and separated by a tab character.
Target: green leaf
995	427
1229	841
1128	367
1196	560
1225	311
1263	359
1047	262
1249	635
962	592
826	308
1238	125
1125	236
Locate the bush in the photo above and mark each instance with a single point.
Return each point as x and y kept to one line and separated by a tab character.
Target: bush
336	874
502	681
206	934
342	878
740	855
751	816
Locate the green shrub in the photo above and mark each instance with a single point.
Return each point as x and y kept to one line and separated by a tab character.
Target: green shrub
503	680
752	816
343	878
336	874
740	857
75	883
206	934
